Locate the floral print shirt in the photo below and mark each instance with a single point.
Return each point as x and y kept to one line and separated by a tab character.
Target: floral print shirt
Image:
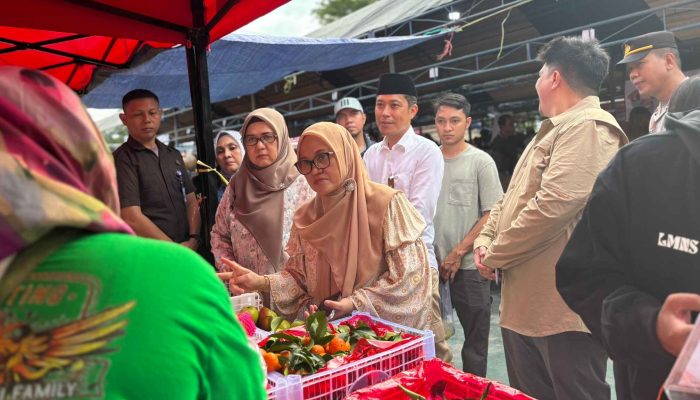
402	291
230	239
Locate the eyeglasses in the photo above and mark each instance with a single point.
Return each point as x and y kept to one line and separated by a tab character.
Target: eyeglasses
251	141
321	161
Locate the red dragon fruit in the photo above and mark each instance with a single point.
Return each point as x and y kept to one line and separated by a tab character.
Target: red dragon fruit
247	321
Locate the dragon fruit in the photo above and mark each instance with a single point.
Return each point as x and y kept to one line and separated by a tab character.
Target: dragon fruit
247	321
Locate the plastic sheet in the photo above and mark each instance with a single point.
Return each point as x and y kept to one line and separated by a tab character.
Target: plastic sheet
435	379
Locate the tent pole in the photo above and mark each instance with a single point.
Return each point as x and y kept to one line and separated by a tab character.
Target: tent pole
201	110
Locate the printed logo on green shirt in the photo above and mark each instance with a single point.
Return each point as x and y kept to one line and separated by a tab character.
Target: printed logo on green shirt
53	343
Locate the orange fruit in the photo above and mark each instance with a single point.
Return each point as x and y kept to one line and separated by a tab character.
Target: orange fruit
272	362
318	349
338	345
307	340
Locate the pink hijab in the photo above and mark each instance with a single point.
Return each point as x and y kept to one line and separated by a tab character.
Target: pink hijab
55	168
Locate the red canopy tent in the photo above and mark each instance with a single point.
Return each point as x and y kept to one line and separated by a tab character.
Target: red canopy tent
70	57
69	38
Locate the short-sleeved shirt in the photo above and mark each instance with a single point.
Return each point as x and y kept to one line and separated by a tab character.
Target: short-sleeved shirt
158	183
470	187
112	316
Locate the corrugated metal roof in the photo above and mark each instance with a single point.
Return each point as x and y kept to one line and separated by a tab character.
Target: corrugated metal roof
381	14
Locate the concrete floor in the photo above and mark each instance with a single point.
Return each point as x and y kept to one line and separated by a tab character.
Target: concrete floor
496	369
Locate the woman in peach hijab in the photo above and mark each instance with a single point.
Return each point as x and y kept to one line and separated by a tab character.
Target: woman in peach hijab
356	246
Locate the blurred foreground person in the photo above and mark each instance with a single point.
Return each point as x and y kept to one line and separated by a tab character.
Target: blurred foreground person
88	309
637	244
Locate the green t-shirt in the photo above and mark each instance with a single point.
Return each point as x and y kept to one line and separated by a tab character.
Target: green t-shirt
470	186
119	317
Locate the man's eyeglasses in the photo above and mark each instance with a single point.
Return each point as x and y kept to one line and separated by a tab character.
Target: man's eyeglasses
251	141
321	161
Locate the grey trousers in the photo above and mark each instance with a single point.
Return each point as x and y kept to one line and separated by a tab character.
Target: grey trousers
565	366
471	299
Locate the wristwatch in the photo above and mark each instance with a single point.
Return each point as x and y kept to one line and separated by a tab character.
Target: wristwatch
196	237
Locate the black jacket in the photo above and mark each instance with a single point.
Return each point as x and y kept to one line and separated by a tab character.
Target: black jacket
638	242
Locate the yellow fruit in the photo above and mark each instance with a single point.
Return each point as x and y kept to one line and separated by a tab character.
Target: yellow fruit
284	325
252	311
297	323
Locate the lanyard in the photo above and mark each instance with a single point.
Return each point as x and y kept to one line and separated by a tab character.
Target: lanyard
178	173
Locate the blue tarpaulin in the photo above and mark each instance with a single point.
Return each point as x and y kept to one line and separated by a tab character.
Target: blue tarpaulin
241	65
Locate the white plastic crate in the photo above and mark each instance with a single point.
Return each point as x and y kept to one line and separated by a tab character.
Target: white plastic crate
285	388
337	383
245	300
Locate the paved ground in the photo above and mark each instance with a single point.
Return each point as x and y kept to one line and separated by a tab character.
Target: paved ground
497	363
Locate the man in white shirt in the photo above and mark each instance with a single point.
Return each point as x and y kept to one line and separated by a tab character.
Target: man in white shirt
412	164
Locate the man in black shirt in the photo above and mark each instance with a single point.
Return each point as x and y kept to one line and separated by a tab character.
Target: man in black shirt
632	267
155	191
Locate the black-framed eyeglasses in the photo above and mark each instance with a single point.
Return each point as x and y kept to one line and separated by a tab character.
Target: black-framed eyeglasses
321	161
251	141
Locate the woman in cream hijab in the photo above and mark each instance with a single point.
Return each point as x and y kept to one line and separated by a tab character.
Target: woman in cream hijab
229	151
356	246
255	214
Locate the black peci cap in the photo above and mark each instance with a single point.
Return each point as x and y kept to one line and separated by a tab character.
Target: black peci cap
638	47
397	84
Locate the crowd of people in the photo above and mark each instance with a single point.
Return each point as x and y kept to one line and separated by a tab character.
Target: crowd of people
594	243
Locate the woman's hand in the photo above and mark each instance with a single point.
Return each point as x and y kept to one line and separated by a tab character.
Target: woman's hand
312	309
341	308
240	279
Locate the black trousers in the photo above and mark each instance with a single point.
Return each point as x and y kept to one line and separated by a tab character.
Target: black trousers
565	366
471	299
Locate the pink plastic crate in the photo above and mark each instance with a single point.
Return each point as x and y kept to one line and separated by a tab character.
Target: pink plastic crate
337	383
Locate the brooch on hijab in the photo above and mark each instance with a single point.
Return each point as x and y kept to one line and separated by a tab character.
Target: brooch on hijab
349	186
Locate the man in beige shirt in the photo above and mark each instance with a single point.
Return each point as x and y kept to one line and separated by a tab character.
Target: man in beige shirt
549	352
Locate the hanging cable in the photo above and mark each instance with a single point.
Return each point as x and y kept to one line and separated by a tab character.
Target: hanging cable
485	17
503	34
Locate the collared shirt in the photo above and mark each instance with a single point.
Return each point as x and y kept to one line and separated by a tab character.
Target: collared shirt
368	143
656	122
156	183
415	166
527	230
